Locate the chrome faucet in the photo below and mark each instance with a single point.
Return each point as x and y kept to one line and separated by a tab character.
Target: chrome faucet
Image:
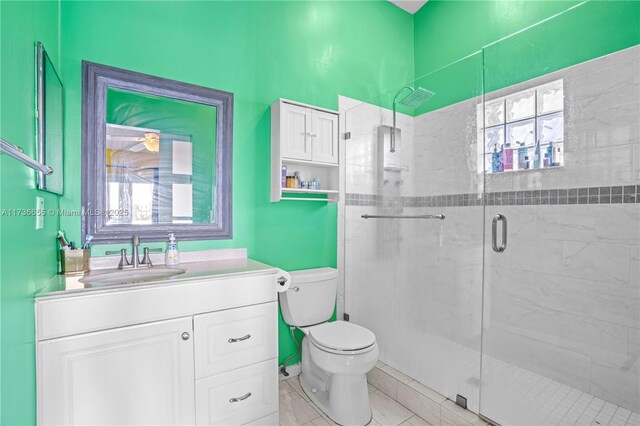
135	256
135	259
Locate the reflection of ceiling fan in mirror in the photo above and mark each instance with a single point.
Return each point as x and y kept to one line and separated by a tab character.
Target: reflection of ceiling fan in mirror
134	139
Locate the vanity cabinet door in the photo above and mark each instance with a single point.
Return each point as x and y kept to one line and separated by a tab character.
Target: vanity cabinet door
324	137
296	131
132	375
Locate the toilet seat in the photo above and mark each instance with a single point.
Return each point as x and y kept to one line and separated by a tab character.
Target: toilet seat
342	337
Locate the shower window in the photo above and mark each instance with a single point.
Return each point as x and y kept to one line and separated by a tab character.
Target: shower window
523	130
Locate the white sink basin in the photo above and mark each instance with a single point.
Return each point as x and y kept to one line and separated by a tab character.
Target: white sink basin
131	276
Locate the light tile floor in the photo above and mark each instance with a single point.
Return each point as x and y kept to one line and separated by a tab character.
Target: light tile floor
297	409
545	401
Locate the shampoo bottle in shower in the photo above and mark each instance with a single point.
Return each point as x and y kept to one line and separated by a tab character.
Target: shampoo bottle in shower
172	257
549	154
508	157
536	156
495	160
522	155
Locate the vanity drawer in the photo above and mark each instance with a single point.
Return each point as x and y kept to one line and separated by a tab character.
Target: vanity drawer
235	338
238	396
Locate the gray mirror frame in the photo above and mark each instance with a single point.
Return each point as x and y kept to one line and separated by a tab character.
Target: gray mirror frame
41	57
96	79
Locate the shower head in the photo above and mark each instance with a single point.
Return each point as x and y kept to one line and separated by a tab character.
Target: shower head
417	97
414	99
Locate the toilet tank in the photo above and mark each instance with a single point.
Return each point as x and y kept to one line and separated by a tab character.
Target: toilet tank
315	298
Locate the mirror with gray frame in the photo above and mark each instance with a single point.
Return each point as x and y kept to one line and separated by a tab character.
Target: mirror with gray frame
156	157
50	125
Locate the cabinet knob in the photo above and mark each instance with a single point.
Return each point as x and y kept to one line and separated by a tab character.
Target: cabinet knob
185	336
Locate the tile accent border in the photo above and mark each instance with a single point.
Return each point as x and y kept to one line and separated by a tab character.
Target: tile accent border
627	194
425	402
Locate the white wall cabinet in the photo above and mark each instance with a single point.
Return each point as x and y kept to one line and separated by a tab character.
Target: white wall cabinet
304	138
306	133
215	365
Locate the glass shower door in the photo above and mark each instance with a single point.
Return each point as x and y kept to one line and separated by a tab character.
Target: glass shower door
415	280
561	314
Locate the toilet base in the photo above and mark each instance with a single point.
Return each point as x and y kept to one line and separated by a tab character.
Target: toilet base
343	398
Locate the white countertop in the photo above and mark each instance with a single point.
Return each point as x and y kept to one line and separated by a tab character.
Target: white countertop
70	285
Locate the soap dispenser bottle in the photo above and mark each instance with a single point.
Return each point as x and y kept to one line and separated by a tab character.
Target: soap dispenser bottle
171	257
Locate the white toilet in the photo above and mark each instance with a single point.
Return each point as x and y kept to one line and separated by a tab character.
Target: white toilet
336	356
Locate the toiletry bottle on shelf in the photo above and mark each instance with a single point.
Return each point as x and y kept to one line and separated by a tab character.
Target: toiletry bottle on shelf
536	156
298	181
522	157
549	155
172	257
557	156
495	160
284	176
508	157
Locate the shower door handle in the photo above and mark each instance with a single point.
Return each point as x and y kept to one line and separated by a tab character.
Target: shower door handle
494	233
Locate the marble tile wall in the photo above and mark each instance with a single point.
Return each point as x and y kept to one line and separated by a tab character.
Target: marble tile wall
562	302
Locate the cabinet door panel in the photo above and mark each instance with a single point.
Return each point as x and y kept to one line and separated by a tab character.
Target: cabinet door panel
325	137
132	375
238	396
235	338
296	126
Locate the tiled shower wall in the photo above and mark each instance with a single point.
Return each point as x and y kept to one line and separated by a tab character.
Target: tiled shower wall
563	301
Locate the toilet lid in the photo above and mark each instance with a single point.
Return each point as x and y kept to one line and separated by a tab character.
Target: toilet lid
342	335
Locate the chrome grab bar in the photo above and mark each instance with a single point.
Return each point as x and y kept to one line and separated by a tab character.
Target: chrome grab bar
494	233
391	216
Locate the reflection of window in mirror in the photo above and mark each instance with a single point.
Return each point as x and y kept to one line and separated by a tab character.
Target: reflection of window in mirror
160	159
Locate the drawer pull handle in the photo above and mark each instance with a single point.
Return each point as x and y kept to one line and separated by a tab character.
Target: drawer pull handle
239	339
240	398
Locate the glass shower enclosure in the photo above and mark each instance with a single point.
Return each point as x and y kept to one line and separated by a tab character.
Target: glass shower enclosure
525	298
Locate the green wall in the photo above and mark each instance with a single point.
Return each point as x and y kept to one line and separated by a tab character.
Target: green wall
261	51
306	51
445	31
27	256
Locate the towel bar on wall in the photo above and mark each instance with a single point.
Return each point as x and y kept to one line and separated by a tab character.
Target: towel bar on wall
422	216
17	153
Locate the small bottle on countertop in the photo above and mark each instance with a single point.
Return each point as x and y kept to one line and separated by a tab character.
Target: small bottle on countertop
172	257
